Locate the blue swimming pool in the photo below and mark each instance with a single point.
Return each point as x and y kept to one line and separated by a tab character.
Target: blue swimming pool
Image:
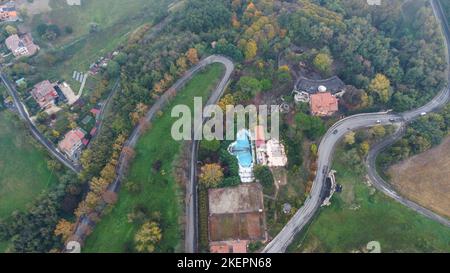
241	148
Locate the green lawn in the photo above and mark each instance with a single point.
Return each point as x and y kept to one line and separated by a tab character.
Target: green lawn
23	168
359	215
159	191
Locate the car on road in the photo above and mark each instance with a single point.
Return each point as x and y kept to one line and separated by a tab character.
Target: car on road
423	114
335	132
378	121
391	120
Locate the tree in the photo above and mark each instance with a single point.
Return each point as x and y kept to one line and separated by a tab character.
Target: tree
349	138
68	29
249	85
147	237
364	148
11	30
192	55
264	176
381	86
211	175
228	99
210	145
323	63
312	126
378	131
250	50
314	149
113	69
64	228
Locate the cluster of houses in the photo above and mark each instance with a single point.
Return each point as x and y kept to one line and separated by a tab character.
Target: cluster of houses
322	95
47	94
102	62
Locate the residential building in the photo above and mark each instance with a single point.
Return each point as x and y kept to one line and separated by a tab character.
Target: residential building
260	145
323	104
243	150
45	94
21	46
72	144
8	12
276	155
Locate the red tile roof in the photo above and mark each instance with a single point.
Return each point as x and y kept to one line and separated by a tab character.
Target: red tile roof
71	139
95	111
222	248
323	104
44	93
93	131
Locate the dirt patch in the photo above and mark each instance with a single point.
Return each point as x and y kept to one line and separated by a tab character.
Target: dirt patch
241	199
237	226
425	178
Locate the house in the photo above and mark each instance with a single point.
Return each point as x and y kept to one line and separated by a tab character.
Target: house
237	246
74	2
45	94
95	112
21	46
276	155
243	150
8	12
334	85
260	145
323	104
72	144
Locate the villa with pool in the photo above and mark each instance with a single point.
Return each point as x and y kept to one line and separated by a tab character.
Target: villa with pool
242	149
252	148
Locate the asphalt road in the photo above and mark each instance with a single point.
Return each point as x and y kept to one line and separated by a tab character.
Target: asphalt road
191	226
335	134
191	209
34	131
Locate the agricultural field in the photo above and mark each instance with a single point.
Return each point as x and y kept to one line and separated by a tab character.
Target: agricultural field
424	178
158	190
359	215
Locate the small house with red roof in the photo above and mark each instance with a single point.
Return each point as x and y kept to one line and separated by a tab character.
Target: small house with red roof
323	104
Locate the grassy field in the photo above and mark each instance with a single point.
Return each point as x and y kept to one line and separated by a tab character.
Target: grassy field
115	20
424	178
23	168
360	214
159	192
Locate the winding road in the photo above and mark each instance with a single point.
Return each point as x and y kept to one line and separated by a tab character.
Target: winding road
325	154
335	134
80	232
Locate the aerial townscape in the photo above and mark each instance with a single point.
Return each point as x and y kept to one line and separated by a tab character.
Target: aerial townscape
358	163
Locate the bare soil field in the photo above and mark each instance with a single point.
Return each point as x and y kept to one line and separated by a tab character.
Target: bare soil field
236	213
242	226
425	178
